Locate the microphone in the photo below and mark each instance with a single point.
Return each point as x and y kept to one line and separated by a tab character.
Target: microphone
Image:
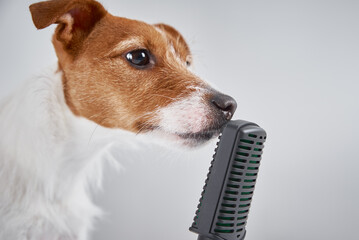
223	208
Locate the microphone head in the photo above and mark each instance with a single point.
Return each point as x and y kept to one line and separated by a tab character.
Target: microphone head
227	194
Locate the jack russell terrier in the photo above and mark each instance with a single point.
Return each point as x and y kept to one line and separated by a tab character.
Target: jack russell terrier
114	75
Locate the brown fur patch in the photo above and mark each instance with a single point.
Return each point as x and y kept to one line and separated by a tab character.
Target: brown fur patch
104	87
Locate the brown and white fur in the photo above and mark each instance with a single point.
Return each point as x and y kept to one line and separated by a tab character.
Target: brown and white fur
49	152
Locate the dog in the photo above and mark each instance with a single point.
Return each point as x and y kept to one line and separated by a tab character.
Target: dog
115	78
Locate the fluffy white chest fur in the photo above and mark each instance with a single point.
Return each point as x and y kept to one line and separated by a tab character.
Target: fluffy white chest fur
44	191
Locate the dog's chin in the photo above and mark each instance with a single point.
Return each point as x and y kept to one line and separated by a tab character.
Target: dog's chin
188	140
198	138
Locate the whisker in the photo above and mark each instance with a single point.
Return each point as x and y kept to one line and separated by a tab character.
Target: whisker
160	95
92	134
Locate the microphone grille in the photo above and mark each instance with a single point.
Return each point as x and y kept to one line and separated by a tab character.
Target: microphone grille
227	194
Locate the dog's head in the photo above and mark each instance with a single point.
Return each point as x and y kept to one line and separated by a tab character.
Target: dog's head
127	74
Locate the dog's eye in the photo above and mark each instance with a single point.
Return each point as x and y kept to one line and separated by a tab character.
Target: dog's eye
140	58
188	60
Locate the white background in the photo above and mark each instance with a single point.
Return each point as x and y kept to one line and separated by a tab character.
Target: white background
292	66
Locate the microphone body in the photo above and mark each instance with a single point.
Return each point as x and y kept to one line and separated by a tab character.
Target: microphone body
223	208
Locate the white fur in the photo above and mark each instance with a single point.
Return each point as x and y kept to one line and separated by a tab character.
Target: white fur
49	159
187	115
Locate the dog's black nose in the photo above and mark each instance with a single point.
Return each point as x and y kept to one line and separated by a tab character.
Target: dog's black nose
224	103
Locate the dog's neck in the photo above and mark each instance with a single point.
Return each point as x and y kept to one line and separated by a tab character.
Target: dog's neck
71	154
49	184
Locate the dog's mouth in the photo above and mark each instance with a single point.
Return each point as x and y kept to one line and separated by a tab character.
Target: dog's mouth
201	136
198	138
190	139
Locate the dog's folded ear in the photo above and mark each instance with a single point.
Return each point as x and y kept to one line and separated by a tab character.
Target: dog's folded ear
76	18
176	39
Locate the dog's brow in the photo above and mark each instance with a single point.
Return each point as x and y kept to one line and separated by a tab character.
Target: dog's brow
127	43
